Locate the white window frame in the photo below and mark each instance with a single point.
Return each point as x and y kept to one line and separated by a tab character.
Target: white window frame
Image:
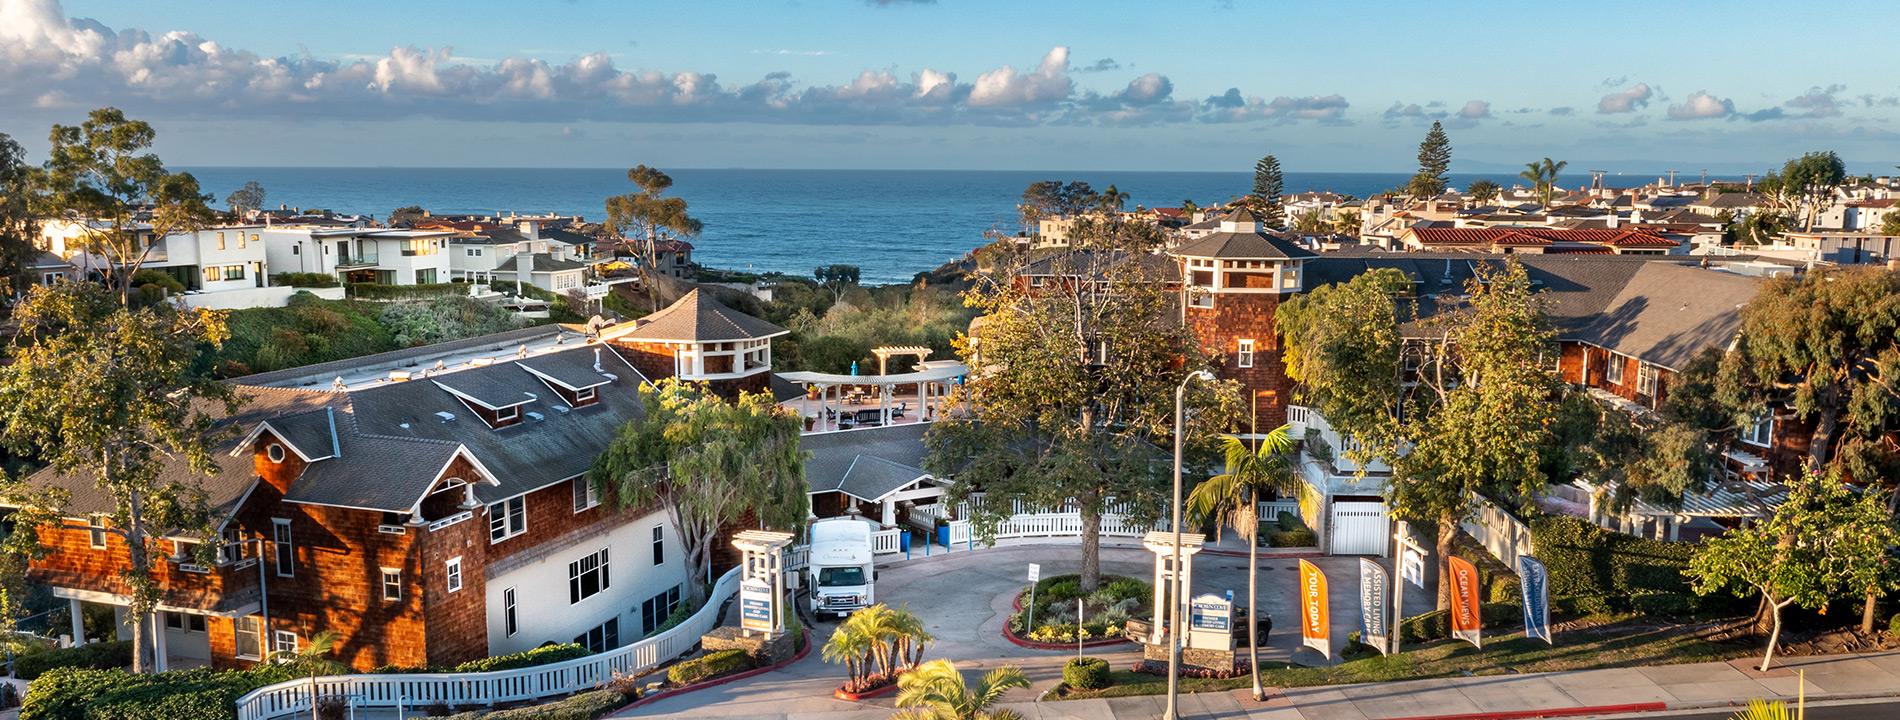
1648	379
275	452
283	641
659	545
509	621
96	531
256	633
1766	428
580	569
585	496
508	413
583	395
507	519
1244	353
1613	369
285	546
452	573
392	584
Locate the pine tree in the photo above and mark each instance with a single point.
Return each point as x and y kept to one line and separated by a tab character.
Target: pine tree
1267	188
1434	160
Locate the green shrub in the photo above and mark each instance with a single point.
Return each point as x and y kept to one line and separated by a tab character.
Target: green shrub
709	666
1893	626
1586	561
1065	590
1659	603
1126	588
539	656
584	706
80	694
1293	538
1505	589
1085	673
95	656
680	614
1289	522
374	291
304	280
159	278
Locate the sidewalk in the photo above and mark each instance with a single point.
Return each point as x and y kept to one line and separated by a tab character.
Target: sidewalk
1702	685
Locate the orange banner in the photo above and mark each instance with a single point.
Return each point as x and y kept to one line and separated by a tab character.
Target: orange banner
1315	625
1466	614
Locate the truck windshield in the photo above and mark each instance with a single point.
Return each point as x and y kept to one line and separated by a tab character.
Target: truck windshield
841	577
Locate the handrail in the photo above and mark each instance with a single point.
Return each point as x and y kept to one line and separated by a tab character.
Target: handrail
490	688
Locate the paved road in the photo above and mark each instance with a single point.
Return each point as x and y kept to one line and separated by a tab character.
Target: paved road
965	598
1875	710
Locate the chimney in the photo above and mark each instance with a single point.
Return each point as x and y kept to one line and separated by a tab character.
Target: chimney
530	229
1609	221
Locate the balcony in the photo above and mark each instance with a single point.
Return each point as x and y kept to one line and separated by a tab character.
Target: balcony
355	261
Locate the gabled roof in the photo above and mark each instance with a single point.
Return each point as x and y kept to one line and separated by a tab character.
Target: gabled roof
1243	245
896	450
1666	313
571	370
698	317
493	387
543	262
870	478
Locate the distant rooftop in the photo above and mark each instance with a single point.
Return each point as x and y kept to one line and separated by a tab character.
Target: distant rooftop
423	362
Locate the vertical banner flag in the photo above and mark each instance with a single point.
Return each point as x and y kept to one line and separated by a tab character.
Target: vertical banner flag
1315	626
1372	605
1466	617
1536	586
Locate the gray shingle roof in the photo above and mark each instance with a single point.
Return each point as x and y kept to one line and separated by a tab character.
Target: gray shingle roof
312	433
834	454
373	472
1244	245
574	371
496	386
699	317
543	262
871	477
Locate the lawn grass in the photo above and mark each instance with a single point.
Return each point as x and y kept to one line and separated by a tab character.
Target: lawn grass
1626	642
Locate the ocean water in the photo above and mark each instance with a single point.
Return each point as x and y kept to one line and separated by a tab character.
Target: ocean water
891	223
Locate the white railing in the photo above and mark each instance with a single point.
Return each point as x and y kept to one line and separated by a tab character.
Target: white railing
406	691
1026	522
798	558
1270	511
884	542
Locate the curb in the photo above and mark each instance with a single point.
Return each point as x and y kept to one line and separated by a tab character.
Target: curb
1551	713
805	635
885	690
1034	645
1265	556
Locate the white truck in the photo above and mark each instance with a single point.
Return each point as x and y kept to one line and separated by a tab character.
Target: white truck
841	578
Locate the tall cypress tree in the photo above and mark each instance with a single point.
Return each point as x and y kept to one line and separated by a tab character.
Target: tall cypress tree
1267	188
1434	160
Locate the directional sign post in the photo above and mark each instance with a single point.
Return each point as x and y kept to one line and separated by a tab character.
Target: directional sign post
1035	573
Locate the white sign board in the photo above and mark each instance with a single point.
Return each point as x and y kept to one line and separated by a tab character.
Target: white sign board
1412	567
1035	572
1211	623
755	605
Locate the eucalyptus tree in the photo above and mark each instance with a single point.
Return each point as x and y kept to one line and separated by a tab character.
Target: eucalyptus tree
19	228
1072	391
708	462
112	394
247	199
121	200
1474	423
1810	180
653	219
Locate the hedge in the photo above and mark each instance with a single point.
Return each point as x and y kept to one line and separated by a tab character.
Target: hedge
1593	570
304	280
202	694
585	706
377	291
708	666
545	655
1293	538
1085	673
96	656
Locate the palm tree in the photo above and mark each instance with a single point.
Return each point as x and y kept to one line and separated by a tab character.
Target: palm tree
1346	223
1309	223
1543	174
1759	709
1233	499
936	691
908	636
852	645
1111	199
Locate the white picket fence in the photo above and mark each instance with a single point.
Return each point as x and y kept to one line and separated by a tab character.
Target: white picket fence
1270	511
406	692
1027	521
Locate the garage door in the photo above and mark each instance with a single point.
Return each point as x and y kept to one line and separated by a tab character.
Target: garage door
1360	528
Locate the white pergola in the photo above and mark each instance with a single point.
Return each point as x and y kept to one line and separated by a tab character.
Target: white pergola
931	381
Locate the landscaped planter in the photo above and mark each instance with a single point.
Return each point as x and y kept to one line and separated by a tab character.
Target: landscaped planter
1038	645
884	689
805	635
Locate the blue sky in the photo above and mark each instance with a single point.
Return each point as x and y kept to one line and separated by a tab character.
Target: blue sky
1731	86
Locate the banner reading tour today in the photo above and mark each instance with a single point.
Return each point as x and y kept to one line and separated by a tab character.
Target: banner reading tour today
1373	606
1315	626
1466	614
1536	587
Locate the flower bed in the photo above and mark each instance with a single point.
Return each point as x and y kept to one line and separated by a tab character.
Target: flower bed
870	687
1105	612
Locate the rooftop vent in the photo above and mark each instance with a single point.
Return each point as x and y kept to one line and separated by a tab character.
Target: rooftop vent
537	417
482	362
446	416
399	375
532	396
611	377
562	409
597	360
521	351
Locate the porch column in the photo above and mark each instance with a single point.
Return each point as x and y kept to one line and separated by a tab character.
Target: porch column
923	392
158	642
884	401
79	623
1675	528
890	512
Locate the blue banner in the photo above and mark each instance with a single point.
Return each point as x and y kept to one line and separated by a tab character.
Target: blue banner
1536	584
1373	606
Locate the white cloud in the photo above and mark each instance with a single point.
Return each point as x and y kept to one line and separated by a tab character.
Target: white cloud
1626	101
1004	87
1818	102
1475	110
1702	106
1230	107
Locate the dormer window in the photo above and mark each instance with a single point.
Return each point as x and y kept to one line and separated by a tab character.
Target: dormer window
275	452
585	395
512	412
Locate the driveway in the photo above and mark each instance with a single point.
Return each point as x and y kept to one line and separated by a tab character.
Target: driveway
964	599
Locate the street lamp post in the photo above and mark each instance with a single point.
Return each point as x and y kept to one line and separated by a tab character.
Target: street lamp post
1174	601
